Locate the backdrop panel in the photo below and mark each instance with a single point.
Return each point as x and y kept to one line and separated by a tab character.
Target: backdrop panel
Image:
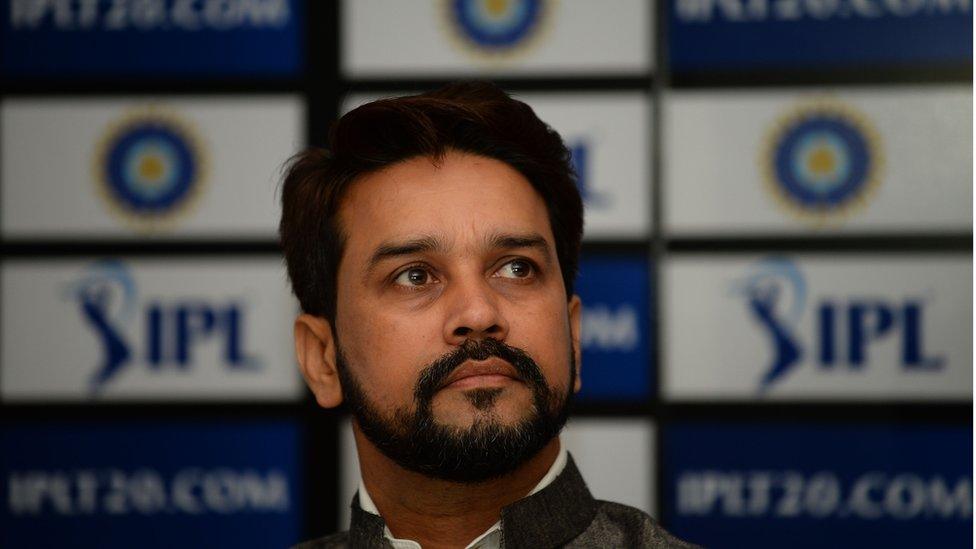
176	483
615	334
390	38
819	485
128	168
148	330
818	161
818	327
731	35
153	39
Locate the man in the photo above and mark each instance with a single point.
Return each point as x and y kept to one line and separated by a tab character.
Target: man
433	248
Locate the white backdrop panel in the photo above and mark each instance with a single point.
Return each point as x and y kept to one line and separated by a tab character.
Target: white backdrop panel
394	38
52	162
864	327
147	329
717	145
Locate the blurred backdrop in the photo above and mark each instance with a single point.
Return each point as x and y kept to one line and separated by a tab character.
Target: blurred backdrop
777	270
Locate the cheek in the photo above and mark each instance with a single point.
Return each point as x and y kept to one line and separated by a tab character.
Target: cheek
386	352
545	336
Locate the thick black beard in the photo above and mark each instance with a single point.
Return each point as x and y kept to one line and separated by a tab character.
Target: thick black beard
481	452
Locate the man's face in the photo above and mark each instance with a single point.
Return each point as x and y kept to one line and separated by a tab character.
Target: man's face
451	303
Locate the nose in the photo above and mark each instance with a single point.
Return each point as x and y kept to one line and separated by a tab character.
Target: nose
474	313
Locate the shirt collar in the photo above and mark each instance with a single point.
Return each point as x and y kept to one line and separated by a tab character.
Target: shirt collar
366	503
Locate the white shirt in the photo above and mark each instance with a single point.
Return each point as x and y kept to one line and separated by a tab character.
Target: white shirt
491	538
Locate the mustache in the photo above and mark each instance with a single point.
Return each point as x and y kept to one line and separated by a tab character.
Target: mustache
433	376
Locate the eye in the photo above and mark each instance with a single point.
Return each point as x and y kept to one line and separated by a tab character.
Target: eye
414	276
517	268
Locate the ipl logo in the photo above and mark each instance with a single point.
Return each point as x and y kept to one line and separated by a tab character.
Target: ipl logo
579	152
106	297
150	167
776	296
821	161
108	302
843	329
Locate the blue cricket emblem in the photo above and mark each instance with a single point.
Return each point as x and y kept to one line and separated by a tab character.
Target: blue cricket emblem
150	167
822	161
496	25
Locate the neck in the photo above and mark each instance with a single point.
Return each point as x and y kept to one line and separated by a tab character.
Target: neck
438	513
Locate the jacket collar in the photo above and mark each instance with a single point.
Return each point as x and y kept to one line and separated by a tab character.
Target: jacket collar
552	516
365	529
549	518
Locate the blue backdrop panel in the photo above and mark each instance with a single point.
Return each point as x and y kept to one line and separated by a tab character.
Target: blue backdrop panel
153	38
150	484
616	332
795	34
818	485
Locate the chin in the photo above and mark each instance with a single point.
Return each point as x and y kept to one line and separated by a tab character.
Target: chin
503	407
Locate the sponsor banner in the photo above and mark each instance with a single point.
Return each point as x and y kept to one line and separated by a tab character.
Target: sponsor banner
204	167
389	38
853	161
737	485
615	331
165	484
608	135
729	35
147	329
151	38
818	327
625	475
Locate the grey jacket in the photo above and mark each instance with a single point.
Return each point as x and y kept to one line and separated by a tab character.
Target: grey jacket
563	514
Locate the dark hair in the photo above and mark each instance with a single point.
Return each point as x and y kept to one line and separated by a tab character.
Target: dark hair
474	117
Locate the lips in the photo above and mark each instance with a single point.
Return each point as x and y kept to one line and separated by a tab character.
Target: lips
492	369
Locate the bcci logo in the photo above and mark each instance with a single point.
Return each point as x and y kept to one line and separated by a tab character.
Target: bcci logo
495	26
149	169
821	161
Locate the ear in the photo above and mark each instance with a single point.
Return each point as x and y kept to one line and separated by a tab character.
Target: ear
316	352
575	325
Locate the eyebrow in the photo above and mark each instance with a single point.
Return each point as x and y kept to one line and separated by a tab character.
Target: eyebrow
515	241
389	250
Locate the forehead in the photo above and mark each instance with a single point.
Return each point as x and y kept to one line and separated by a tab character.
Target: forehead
464	198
